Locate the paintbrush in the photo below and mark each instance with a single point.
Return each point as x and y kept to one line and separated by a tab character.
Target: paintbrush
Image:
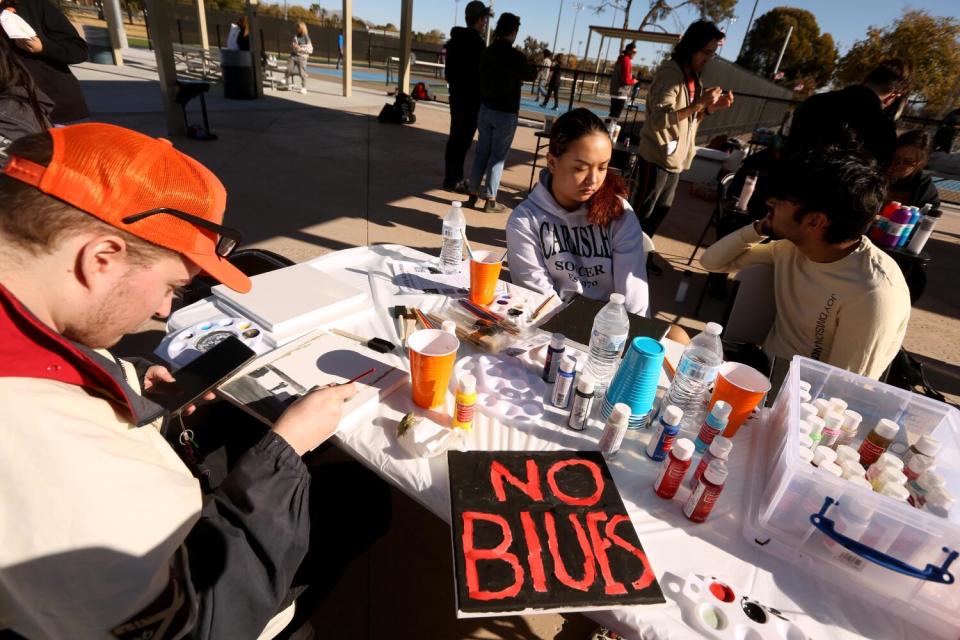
543	305
463	233
423	320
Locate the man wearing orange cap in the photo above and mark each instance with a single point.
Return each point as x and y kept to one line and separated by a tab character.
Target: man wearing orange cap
105	531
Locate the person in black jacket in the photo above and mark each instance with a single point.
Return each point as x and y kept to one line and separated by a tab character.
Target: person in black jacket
47	56
503	70
909	183
860	116
23	109
462	70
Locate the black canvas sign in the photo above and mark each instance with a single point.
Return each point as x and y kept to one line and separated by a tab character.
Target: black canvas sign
543	531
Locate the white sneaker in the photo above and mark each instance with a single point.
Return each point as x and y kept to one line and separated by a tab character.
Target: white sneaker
303	90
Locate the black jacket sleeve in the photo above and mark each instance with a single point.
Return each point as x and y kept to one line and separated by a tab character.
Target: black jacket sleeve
252	536
926	193
61	42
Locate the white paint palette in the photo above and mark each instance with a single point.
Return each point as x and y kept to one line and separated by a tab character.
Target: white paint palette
506	390
719	611
187	344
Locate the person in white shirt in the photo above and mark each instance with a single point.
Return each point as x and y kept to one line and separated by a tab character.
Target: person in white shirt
839	298
576	233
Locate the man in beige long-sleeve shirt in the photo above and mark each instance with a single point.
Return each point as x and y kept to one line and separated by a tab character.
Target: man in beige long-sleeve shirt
839	298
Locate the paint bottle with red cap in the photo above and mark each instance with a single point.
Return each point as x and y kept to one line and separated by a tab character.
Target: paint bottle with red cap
702	500
674	469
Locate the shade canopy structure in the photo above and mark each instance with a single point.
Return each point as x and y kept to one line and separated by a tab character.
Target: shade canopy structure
630	35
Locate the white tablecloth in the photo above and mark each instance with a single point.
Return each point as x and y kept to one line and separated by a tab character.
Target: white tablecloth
675	546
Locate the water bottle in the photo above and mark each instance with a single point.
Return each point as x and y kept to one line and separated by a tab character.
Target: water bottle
695	373
611	328
451	254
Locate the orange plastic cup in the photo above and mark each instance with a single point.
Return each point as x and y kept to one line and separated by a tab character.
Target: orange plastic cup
484	274
743	388
432	354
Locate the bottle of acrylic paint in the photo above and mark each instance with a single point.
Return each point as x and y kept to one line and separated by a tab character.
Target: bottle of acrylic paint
832	423
852	520
885	460
667	429
807	410
806	442
938	502
852	469
701	502
925	446
674	469
823	406
896	491
564	383
848	432
877	441
554	355
466	402
927	223
846	452
922	486
839	405
582	402
890	475
831	467
719	450
806	455
823	454
615	429
713	424
816	429
917	465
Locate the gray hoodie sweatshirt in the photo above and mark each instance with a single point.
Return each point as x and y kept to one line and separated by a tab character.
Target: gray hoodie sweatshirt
550	248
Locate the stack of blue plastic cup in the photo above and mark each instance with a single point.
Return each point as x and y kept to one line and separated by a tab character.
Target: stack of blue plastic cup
635	383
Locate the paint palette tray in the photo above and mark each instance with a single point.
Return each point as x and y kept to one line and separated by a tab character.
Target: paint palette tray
719	611
506	389
186	345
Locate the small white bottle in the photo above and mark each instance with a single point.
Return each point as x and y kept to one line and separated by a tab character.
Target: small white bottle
684	286
449	326
615	429
564	383
749	184
582	402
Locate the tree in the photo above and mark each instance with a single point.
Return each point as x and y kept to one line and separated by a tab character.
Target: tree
715	10
931	44
434	36
810	57
533	48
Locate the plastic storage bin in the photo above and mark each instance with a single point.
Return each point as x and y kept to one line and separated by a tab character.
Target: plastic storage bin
898	556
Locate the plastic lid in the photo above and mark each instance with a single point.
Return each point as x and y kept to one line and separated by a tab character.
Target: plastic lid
823	406
816	423
716	472
805	396
617	298
824	454
888	459
852	469
940	498
449	326
713	328
682	449
833	420
805	386
721	447
807	410
568	364
805	428
672	415
805	442
840	404
886	429
467	384
806	455
721	411
895	491
928	446
920	463
861	482
587	384
557	340
456	203
851	420
846	452
930	479
859	509
889	475
831	467
620	414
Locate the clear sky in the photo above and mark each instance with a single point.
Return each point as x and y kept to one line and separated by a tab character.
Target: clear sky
846	20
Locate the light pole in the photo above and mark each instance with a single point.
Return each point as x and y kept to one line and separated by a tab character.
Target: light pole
613	23
577	8
490	24
456	11
749	24
557	32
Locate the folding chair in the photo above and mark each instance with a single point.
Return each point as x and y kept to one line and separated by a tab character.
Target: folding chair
722	188
753	306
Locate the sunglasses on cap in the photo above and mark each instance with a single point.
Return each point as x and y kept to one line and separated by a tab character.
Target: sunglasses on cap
228	239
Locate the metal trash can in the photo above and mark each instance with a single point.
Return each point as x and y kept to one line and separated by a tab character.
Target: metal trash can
239	82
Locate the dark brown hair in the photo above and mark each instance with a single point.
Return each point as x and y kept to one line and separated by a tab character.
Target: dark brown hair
37	223
891	76
917	139
605	205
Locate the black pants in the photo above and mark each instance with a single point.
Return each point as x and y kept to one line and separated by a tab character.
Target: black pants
551	91
616	106
463	126
654	195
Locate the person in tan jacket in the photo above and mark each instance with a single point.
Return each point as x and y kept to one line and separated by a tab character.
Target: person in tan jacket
676	103
839	299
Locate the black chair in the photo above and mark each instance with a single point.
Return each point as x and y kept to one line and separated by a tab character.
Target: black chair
722	187
187	90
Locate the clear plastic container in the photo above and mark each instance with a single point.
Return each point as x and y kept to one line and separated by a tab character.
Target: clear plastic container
897	560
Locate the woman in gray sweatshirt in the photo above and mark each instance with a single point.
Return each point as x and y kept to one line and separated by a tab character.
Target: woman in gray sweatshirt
571	236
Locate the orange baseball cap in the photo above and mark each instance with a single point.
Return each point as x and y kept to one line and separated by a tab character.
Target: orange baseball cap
113	173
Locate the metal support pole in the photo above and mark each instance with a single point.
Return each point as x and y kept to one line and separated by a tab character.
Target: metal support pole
202	25
783	50
406	40
747	32
347	48
556	33
166	68
118	37
257	46
573	89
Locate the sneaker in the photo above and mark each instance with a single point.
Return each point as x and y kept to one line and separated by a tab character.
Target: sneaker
472	201
462	187
493	207
303	90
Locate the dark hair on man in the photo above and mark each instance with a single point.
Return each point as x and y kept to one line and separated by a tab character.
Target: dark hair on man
547	54
37	223
631	46
507	23
13	75
697	36
891	76
605	205
845	186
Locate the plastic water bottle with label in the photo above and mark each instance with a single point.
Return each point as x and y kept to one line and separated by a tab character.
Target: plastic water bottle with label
451	253
611	328
695	373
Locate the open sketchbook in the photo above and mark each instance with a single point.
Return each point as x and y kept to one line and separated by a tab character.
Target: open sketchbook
267	386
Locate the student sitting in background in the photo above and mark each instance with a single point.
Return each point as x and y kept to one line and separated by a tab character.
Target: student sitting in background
571	235
909	183
839	298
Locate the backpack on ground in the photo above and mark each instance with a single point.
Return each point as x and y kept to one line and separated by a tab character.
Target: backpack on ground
400	112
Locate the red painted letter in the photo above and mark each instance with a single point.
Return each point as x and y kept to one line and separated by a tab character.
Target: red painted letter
572	500
647	576
559	569
535	552
471	556
499	473
600	546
